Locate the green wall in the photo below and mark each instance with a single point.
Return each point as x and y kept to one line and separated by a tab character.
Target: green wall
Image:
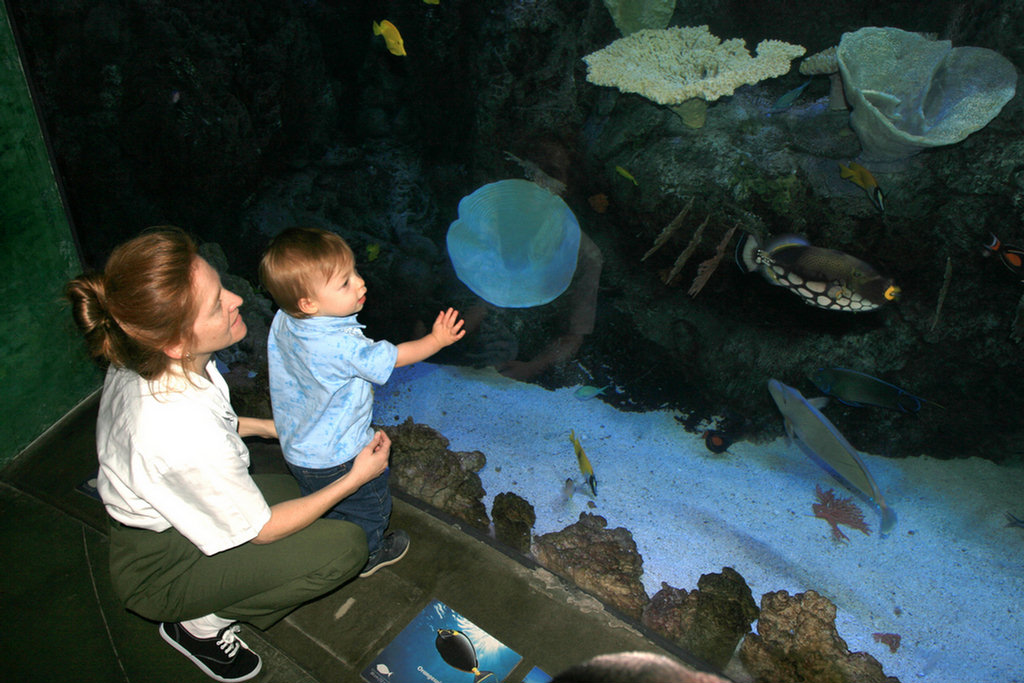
44	370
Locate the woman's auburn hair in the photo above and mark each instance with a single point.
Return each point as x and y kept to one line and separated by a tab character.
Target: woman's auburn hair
141	303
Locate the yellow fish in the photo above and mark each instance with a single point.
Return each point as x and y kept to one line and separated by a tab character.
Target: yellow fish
432	2
584	462
372	252
626	174
862	177
392	38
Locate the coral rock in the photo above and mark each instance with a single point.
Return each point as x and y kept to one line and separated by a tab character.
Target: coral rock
708	622
797	641
827	63
423	467
513	521
824	62
603	561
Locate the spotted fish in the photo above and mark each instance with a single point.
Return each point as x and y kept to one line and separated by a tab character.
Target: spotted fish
825	278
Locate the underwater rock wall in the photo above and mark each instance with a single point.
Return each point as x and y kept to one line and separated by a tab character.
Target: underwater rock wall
236	119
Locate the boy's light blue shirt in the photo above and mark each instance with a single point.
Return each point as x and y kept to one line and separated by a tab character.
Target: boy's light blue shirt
322	372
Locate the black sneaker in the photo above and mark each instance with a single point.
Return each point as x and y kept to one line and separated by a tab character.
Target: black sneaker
223	658
392	548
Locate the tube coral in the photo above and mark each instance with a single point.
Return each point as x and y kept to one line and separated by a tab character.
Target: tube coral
838	511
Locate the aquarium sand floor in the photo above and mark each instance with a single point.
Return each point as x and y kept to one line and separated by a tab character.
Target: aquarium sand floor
947	578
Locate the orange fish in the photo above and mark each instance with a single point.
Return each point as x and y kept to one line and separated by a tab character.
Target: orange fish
598	202
716	441
1012	257
862	177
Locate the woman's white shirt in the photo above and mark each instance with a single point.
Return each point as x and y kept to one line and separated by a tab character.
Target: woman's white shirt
170	455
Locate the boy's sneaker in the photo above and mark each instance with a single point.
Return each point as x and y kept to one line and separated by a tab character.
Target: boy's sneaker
393	547
223	658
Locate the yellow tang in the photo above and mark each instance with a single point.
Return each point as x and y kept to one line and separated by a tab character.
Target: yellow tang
584	462
392	38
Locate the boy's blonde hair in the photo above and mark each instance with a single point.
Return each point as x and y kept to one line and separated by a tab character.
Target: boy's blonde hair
297	261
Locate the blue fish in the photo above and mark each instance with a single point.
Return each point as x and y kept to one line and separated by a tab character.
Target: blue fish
787	100
587	391
858	389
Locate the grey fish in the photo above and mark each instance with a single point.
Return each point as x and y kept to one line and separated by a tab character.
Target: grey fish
824	278
823	443
1013	521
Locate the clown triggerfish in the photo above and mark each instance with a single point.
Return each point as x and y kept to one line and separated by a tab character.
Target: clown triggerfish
825	278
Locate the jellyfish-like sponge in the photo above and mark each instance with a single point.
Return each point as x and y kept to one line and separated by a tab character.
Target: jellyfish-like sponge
514	244
909	93
680	63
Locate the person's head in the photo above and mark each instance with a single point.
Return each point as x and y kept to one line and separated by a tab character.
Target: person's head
157	302
312	272
634	667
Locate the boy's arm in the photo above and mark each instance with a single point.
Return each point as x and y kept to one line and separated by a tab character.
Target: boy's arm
254	426
446	331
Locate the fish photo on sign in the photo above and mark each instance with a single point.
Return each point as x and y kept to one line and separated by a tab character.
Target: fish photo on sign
442	644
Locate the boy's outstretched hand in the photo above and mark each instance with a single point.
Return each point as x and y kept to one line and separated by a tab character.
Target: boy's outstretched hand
447	328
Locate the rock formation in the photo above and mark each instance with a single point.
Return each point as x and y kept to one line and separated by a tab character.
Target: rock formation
708	622
423	467
602	561
797	641
513	521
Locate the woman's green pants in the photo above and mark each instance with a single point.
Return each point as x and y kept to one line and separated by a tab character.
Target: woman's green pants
164	577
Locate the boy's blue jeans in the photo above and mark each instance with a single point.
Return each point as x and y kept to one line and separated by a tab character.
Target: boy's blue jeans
369	506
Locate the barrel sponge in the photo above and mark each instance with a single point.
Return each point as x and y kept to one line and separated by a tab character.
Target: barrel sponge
632	15
514	244
680	63
910	93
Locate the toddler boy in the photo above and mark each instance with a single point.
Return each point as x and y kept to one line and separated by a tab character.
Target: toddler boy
322	372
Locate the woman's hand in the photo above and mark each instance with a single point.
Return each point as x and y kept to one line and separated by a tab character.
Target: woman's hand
372	460
296	514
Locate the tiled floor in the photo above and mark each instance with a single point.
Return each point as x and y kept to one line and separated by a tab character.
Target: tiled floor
60	622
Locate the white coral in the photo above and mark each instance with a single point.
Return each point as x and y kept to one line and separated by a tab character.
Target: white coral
670	66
